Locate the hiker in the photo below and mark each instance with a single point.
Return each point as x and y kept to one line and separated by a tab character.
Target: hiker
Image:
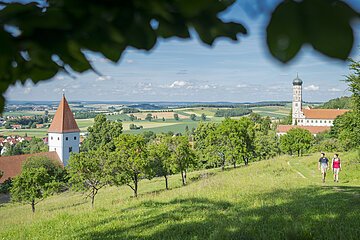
336	166
323	166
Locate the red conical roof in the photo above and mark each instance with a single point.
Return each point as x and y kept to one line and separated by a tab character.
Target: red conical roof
64	120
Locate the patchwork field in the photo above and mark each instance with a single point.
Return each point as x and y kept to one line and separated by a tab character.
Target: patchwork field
158	115
209	112
234	204
273	111
157	125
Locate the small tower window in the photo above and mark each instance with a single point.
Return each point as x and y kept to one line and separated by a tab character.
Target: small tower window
67	138
70	149
51	138
58	138
75	138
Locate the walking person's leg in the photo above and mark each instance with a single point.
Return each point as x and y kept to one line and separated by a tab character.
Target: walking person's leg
336	172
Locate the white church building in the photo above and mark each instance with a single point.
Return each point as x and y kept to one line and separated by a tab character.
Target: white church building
314	120
63	139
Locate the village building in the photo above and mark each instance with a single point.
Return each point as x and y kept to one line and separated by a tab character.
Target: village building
63	139
313	120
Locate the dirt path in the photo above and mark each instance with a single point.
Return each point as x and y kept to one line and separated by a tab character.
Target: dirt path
296	170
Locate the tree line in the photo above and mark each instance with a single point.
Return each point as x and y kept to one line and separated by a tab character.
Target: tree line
235	112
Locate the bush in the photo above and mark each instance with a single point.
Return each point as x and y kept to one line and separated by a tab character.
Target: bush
6	186
328	145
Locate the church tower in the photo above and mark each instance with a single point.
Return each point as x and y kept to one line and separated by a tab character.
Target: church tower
64	133
297	100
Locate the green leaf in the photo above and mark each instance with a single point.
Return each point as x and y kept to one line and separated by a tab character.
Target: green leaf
169	29
328	27
285	34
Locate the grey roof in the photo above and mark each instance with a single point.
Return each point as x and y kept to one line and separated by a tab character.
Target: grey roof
297	80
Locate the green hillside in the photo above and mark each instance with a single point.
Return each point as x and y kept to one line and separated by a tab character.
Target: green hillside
282	198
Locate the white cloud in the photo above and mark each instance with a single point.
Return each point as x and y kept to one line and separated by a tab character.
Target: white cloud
241	86
129	61
27	90
312	87
334	90
180	84
206	86
144	86
104	78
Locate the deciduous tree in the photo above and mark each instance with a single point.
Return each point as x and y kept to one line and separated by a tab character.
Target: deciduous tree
129	161
39	178
88	172
160	159
296	140
182	156
101	134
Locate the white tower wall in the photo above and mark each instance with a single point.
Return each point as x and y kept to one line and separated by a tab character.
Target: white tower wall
64	144
297	104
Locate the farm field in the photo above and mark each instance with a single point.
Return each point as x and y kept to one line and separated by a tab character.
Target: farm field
175	127
234	204
273	111
209	112
83	124
159	115
26	113
156	126
41	132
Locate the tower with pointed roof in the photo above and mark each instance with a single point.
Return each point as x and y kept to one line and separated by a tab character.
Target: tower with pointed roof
64	133
297	100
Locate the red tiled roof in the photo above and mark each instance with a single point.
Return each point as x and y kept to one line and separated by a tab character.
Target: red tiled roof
323	113
312	129
64	120
11	165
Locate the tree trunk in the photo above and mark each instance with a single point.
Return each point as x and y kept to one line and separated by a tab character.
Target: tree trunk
166	182
298	153
33	206
185	175
135	185
246	162
234	164
92	200
183	178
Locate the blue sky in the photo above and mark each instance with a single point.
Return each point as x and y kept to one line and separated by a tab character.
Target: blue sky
186	70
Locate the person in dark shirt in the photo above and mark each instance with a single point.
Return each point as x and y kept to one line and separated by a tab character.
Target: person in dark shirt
323	166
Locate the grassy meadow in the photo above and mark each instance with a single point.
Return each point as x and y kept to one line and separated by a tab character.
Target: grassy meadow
281	198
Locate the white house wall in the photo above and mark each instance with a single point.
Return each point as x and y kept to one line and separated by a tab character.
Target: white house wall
315	122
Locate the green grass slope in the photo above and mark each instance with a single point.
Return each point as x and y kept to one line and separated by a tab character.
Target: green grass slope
282	198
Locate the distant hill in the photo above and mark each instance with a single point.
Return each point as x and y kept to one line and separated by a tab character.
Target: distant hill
146	106
337	103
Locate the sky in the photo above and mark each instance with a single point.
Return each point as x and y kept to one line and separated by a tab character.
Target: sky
187	70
